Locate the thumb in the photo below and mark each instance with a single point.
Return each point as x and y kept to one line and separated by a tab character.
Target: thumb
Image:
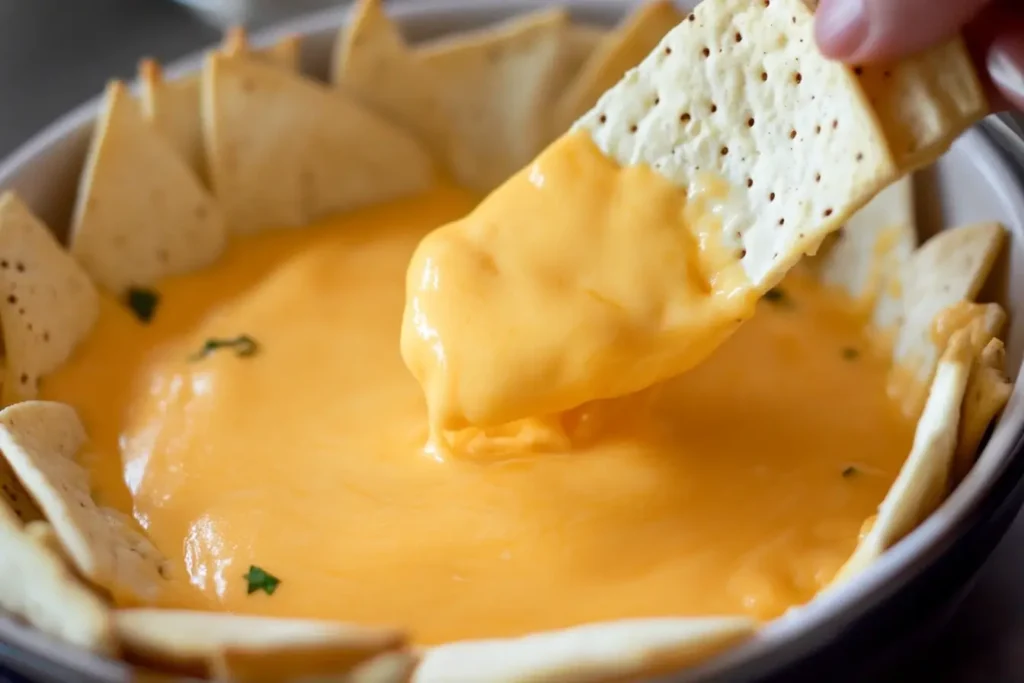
872	30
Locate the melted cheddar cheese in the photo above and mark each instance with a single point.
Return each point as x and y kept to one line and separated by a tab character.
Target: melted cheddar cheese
576	280
737	488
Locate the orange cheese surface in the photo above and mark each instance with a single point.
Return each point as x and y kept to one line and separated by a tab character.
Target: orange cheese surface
598	280
738	487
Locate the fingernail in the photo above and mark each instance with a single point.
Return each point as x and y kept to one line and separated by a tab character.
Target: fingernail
841	27
1005	65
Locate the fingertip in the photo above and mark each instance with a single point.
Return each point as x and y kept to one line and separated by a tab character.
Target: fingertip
841	27
1005	65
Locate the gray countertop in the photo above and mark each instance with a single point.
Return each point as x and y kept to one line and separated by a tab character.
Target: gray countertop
55	54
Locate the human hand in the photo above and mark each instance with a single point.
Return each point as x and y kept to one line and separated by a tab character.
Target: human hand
872	30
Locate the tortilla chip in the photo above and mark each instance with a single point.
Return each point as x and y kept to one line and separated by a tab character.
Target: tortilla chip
283	53
49	306
868	256
988	391
240	648
40	440
949	268
373	64
925	102
924	478
620	650
632	40
141	214
173	106
496	88
15	498
739	91
579	41
36	585
285	150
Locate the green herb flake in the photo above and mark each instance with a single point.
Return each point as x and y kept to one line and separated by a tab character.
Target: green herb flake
777	296
243	346
143	303
260	580
850	471
850	353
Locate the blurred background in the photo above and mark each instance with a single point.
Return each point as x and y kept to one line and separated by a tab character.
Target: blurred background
55	54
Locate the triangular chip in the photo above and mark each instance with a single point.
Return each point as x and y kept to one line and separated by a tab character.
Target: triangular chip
495	89
49	303
614	651
239	648
870	253
37	586
40	441
924	478
141	213
949	268
631	41
283	53
285	150
172	106
740	91
988	391
14	496
579	41
373	64
926	101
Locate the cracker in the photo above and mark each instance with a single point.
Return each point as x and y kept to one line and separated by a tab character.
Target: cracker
635	36
49	304
141	213
37	585
868	257
40	440
739	91
988	391
495	88
620	650
242	648
923	480
285	150
926	101
172	106
949	268
373	63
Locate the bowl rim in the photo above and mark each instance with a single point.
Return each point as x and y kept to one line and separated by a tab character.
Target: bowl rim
778	643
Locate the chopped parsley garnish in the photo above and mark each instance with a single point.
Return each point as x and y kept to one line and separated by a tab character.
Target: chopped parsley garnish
260	580
850	353
850	471
778	297
143	303
243	345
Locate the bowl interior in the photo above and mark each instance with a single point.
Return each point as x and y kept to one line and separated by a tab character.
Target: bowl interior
974	182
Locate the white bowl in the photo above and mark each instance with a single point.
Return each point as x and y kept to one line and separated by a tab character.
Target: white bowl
979	179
